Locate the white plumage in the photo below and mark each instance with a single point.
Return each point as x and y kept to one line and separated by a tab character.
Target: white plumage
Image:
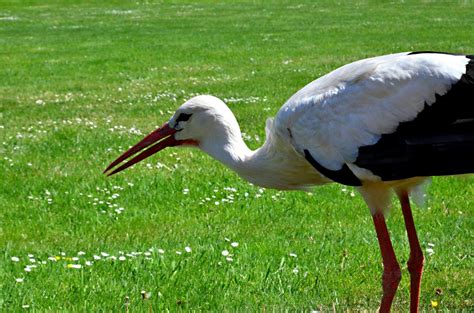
380	124
354	105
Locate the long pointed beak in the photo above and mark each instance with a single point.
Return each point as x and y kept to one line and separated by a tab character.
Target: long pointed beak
162	136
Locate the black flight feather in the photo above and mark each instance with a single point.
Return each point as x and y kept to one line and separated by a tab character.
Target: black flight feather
439	141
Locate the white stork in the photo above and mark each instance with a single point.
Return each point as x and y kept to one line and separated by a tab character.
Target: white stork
383	124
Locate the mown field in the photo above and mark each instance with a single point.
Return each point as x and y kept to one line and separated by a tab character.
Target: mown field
81	81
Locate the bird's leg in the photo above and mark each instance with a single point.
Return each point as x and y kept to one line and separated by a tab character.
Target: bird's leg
416	260
391	270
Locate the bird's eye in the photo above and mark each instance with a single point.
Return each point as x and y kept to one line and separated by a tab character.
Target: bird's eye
183	117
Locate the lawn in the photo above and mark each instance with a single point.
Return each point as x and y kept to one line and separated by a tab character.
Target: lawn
81	81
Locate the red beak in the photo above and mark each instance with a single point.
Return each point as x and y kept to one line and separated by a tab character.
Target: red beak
163	137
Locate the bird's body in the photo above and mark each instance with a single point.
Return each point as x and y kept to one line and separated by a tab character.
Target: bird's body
381	124
351	108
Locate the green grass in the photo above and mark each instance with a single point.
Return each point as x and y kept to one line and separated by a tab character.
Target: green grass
75	77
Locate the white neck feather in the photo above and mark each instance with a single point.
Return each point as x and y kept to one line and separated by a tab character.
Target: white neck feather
274	165
232	151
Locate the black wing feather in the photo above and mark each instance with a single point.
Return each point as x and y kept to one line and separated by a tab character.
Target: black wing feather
439	141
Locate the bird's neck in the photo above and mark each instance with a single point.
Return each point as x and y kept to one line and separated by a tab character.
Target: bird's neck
274	165
230	150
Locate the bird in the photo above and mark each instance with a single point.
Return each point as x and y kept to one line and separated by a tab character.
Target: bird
383	125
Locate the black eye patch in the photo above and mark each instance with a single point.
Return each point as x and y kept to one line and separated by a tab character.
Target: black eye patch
183	117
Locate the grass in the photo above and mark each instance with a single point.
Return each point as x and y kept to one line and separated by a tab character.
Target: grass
81	81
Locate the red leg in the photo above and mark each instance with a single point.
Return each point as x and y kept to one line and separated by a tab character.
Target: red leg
391	270
416	260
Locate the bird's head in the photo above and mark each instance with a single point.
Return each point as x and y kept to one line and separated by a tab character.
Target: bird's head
201	121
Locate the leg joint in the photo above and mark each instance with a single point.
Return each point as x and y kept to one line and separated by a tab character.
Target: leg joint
391	278
415	262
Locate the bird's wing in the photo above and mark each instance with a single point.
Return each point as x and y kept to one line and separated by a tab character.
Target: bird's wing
367	118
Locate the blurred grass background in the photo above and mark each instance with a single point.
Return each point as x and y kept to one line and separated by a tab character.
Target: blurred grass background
82	80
